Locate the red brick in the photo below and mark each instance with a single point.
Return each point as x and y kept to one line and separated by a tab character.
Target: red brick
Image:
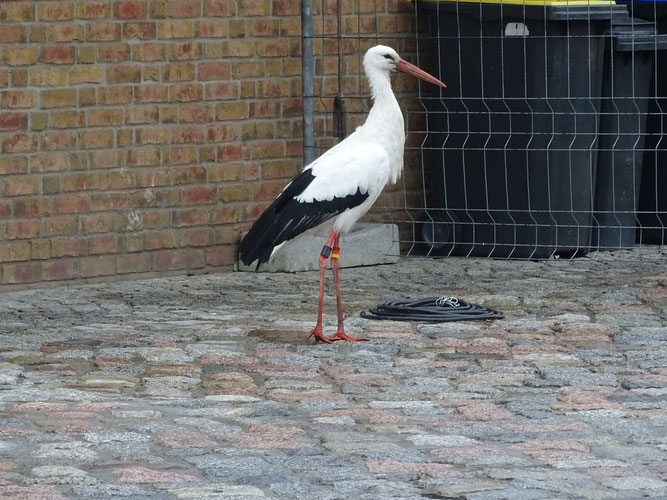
89	139
109	201
267	108
273	48
222	90
225	215
107	158
199	196
178	72
148	52
13	165
190	217
221	256
268	149
231	152
58	98
5	208
236	192
22	229
71	203
142	115
254	7
196	112
25	272
20	56
142	30
156	219
19	143
199	237
98	223
104	244
134	242
152	177
68	247
151	93
93	9
180	155
62	269
84	181
14	251
219	8
66	32
164	260
105	117
143	156
189	133
31	207
185	92
12	34
188	175
116	180
211	28
17	11
187	50
40	249
48	77
103	32
123	74
213	71
232	110
160	239
286	7
57	54
183	8
18	186
13	121
151	135
116	52
132	9
223	132
67	119
115	94
86	74
18	98
55	11
175	29
97	266
133	263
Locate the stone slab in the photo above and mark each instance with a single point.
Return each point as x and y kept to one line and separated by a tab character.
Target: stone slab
365	245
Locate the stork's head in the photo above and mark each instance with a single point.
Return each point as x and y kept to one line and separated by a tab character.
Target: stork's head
385	59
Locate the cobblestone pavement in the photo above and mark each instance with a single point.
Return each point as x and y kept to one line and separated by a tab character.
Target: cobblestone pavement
206	387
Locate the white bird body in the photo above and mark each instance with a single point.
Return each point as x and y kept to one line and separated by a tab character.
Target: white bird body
344	182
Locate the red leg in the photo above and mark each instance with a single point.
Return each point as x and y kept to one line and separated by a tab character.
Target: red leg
317	331
335	266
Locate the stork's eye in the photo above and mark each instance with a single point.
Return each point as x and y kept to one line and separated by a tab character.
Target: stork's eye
388	56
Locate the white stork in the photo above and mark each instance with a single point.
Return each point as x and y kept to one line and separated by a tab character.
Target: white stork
342	184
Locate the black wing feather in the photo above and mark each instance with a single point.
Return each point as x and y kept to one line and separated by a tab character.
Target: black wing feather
286	218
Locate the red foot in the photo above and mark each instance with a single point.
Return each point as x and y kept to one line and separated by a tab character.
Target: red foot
317	333
344	336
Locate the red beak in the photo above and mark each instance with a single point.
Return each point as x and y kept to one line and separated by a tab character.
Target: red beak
410	69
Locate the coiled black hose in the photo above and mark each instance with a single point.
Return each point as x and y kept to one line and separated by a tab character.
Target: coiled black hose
432	309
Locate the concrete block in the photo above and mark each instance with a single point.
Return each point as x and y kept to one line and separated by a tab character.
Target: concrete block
365	245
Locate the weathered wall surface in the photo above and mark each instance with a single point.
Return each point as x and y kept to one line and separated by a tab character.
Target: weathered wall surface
143	136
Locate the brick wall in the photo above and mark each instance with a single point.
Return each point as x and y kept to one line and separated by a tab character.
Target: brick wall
143	136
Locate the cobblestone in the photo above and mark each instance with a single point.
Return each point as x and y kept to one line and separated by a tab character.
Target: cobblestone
207	388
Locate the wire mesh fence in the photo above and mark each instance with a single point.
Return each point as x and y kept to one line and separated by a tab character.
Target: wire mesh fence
549	140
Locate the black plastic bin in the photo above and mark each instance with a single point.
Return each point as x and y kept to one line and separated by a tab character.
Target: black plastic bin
652	215
628	74
517	129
